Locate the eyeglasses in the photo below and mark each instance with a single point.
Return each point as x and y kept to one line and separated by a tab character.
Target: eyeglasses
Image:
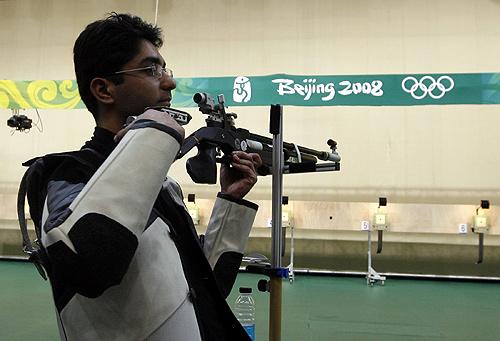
157	71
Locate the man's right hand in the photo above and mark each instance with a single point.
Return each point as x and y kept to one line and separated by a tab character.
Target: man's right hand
153	115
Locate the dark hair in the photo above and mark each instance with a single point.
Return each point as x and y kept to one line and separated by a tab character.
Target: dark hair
105	46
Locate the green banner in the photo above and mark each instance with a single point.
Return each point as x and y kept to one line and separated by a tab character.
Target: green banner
309	90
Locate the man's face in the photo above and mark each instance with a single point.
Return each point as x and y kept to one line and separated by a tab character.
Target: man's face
141	89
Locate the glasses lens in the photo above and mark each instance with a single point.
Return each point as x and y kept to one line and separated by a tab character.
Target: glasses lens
156	70
159	71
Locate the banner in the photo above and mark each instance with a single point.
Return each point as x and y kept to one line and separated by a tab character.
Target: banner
308	90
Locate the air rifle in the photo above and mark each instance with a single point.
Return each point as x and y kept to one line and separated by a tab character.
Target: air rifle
220	138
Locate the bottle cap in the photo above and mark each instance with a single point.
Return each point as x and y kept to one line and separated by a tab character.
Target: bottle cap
244	290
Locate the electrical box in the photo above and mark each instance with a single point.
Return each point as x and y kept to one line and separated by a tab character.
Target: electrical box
286	216
380	220
194	212
286	212
480	222
193	209
380	217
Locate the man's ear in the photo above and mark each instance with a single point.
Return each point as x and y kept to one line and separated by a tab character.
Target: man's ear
102	89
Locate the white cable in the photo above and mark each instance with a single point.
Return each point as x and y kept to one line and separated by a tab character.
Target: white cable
39	123
156	11
299	156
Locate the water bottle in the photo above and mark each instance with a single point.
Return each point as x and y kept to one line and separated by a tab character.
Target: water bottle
244	309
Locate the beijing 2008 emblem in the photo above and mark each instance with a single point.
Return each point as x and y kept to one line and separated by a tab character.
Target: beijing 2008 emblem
242	89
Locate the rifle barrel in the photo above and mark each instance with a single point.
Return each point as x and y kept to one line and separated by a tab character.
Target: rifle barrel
322	155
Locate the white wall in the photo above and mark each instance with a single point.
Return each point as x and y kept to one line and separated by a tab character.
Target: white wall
427	154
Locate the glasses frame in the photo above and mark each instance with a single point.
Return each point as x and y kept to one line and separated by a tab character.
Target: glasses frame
154	70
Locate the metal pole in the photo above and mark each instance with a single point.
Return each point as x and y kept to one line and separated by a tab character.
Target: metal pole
291	274
275	286
277	195
480	249
369	257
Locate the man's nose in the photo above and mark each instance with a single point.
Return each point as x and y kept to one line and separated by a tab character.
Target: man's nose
168	83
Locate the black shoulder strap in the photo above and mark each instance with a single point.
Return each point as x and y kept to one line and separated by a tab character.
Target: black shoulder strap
33	181
33	251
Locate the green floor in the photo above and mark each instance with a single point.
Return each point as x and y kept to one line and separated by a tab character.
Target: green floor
314	308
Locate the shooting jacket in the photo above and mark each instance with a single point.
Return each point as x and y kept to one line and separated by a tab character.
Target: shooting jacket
124	259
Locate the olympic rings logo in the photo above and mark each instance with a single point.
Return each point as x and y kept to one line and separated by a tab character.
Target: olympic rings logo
428	86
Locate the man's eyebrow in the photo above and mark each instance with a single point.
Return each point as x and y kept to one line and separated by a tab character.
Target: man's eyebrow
154	60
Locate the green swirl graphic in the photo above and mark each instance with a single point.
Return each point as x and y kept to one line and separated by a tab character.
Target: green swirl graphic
11	96
46	94
69	89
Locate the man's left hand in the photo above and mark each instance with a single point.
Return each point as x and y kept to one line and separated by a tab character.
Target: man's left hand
238	179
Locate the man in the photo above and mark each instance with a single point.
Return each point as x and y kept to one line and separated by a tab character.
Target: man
124	259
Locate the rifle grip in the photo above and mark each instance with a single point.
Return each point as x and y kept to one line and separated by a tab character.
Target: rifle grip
202	168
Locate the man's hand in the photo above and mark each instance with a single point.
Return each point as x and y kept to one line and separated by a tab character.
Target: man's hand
153	115
238	179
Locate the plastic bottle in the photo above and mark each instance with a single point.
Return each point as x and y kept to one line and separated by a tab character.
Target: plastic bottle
244	310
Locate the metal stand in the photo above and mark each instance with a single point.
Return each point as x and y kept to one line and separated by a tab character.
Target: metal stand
291	275
275	271
480	248
372	276
275	284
